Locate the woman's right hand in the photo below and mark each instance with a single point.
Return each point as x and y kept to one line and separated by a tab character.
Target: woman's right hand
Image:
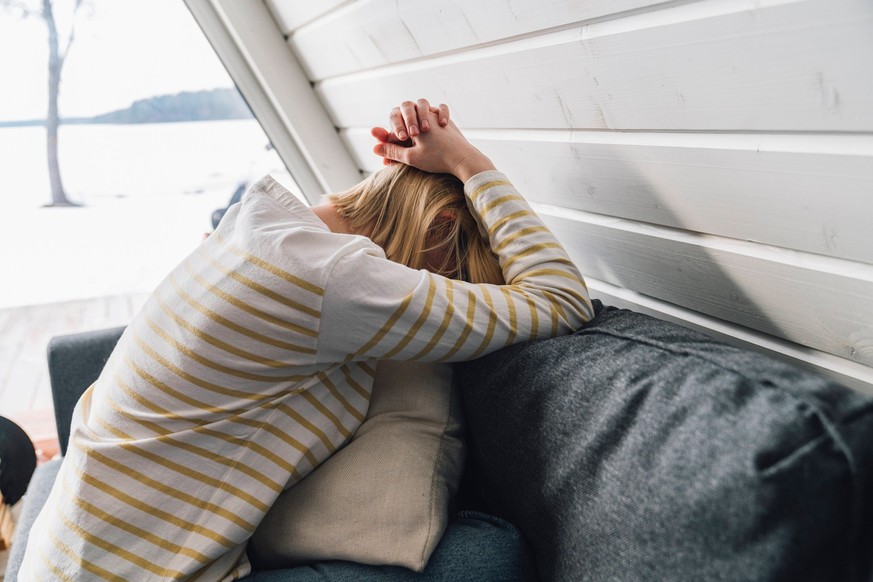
409	119
441	149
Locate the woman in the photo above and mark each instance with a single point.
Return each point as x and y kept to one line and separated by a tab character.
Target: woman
252	362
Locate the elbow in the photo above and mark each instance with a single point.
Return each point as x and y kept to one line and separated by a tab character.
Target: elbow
577	306
579	312
571	308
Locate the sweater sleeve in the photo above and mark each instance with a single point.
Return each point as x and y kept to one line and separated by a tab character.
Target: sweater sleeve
374	308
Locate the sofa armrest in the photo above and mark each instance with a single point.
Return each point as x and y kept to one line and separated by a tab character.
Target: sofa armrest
75	361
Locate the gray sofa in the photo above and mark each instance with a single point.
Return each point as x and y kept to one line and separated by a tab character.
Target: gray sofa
633	449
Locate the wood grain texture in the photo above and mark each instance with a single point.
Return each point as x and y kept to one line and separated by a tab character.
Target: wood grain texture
25	392
292	14
374	33
822	303
744	65
811	193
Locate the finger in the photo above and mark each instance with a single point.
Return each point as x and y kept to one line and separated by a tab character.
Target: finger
442	114
383	135
396	123
410	120
423	110
391	151
380	133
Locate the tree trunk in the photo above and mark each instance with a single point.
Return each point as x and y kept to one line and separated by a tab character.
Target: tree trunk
52	121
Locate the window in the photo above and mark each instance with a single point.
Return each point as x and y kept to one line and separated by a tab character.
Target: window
153	139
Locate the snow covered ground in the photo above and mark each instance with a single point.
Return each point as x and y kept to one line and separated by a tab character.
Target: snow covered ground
148	194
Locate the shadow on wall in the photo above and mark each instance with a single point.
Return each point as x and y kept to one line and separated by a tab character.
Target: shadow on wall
626	197
813	300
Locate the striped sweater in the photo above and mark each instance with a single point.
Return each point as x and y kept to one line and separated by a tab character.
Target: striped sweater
252	362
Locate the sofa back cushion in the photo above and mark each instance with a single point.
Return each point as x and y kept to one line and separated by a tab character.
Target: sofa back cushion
74	363
638	449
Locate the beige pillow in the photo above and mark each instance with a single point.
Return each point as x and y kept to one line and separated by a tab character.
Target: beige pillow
384	498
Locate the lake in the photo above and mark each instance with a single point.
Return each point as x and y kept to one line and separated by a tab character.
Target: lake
147	194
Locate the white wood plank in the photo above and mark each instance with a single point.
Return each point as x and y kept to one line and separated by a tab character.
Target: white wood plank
851	374
765	65
292	14
374	33
818	302
804	192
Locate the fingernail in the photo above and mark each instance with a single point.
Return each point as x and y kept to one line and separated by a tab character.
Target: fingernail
444	121
402	135
379	149
425	125
413	130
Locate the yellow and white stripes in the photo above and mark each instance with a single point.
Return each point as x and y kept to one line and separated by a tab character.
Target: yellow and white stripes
252	363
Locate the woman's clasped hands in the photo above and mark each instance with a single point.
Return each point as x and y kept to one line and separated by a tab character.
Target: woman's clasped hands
424	136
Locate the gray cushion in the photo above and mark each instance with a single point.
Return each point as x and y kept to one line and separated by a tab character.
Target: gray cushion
37	492
636	449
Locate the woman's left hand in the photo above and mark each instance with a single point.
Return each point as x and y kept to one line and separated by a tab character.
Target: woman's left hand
441	150
410	120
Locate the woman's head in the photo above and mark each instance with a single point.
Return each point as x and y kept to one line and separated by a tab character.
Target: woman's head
422	221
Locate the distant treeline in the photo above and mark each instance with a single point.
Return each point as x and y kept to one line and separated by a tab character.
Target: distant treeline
186	106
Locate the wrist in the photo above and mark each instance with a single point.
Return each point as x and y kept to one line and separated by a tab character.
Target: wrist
471	165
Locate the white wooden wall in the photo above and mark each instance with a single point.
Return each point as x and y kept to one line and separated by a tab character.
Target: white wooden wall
707	161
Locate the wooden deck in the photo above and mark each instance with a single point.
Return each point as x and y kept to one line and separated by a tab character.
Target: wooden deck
25	395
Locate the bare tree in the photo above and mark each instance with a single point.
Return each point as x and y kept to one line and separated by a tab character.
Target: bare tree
59	48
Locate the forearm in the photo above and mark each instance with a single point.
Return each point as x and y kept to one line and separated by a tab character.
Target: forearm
531	258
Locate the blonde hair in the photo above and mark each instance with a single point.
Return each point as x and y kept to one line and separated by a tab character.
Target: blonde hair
420	220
